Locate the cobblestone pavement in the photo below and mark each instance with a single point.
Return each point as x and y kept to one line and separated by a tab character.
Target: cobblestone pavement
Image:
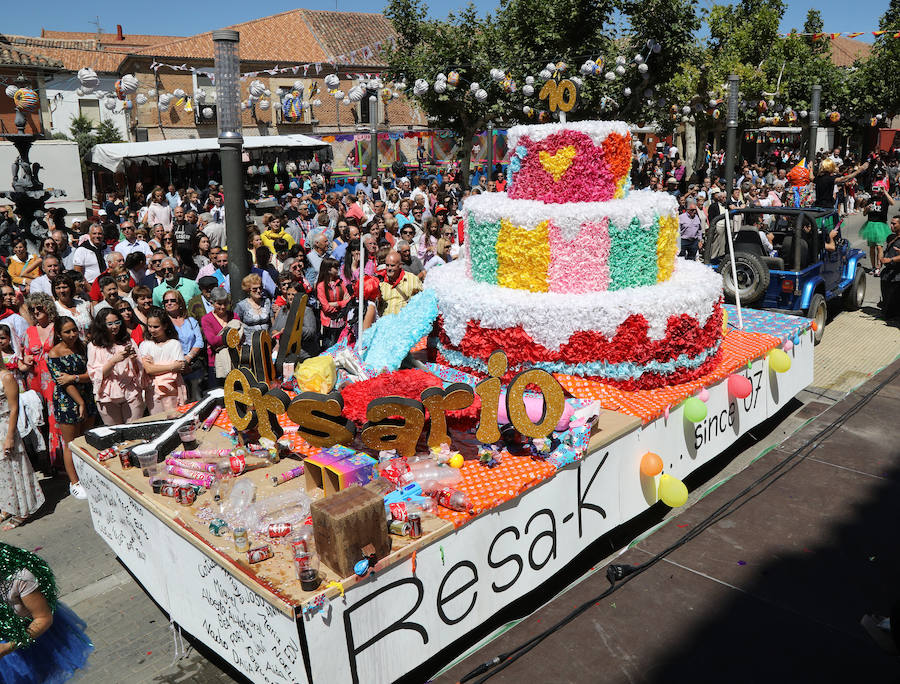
133	639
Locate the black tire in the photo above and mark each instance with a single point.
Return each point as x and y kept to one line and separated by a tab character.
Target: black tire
856	293
753	277
818	311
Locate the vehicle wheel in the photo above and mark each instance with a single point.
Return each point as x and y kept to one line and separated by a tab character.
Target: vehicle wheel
818	311
752	277
856	293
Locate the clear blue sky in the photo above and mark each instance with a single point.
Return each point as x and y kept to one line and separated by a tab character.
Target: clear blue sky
171	17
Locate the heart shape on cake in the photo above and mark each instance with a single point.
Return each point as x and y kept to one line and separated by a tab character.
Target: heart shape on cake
557	164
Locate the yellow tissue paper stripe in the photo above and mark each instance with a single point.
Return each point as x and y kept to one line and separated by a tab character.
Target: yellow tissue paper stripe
666	244
557	164
523	256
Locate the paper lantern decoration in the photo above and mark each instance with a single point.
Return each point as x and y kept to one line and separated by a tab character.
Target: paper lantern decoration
528	90
643	68
656	47
166	98
298	85
267	92
672	491
481	95
420	87
545	74
387	94
609	76
739	386
257	88
162	106
179	93
11	91
110	104
803	113
834	117
589	67
474	86
346	101
129	83
627	92
639	58
779	361
440	87
200	95
151	92
651	464
264	105
338	94
694	409
497	74
207	112
356	93
529	80
620	70
26	100
140	98
88	78
527	111
453	78
332	81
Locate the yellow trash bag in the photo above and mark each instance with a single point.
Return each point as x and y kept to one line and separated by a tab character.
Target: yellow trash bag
317	374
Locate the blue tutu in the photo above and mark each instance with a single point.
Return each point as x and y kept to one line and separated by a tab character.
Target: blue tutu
54	657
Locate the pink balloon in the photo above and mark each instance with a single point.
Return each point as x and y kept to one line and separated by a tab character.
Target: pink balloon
739	386
788	345
666	412
703	395
534	408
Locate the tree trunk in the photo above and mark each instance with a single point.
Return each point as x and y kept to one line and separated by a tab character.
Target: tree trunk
690	145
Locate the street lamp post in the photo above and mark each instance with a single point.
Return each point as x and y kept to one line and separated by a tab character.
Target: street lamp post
814	105
231	142
731	124
373	123
490	151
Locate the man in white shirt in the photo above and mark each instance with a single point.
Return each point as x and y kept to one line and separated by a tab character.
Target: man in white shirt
42	283
131	243
90	256
218	209
421	190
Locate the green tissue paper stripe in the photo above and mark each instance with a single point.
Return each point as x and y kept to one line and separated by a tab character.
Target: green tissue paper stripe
632	255
482	237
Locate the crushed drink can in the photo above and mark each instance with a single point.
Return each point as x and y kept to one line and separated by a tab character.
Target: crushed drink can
259	554
218	526
399	511
186	495
106	454
169	490
400	527
279	530
415	525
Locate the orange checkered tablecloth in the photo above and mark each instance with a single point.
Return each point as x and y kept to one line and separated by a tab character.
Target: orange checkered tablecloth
490	487
738	348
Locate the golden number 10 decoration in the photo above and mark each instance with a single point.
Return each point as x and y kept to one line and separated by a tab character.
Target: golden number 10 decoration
560	95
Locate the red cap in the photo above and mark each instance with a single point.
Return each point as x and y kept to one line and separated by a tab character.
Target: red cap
439	208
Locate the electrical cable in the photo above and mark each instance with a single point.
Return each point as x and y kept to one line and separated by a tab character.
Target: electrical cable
620	575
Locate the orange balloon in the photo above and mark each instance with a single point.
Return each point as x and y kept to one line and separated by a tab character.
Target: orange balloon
651	464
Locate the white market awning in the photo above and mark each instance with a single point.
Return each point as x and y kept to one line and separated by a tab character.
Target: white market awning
112	156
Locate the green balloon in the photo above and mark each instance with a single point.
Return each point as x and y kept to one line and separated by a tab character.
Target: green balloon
694	410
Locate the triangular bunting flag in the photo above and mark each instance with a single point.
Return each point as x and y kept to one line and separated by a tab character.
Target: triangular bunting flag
816	36
878	33
834	35
854	35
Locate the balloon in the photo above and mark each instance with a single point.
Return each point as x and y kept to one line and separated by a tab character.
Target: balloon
779	361
651	464
703	395
694	409
672	491
739	386
456	461
534	409
788	345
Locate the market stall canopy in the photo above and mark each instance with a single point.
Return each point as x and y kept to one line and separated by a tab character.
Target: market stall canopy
112	156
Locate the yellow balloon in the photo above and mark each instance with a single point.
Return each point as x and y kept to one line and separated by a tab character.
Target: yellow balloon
672	491
779	361
456	461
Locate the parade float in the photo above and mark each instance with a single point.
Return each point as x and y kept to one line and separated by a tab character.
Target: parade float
366	512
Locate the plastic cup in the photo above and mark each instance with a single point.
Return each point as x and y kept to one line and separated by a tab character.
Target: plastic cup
187	435
148	462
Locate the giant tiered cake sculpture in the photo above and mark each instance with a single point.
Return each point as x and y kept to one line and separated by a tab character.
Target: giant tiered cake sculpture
570	272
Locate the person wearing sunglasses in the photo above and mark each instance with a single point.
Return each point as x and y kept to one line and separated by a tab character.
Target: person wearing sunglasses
172	280
255	311
116	372
131	242
114	260
163	358
191	338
